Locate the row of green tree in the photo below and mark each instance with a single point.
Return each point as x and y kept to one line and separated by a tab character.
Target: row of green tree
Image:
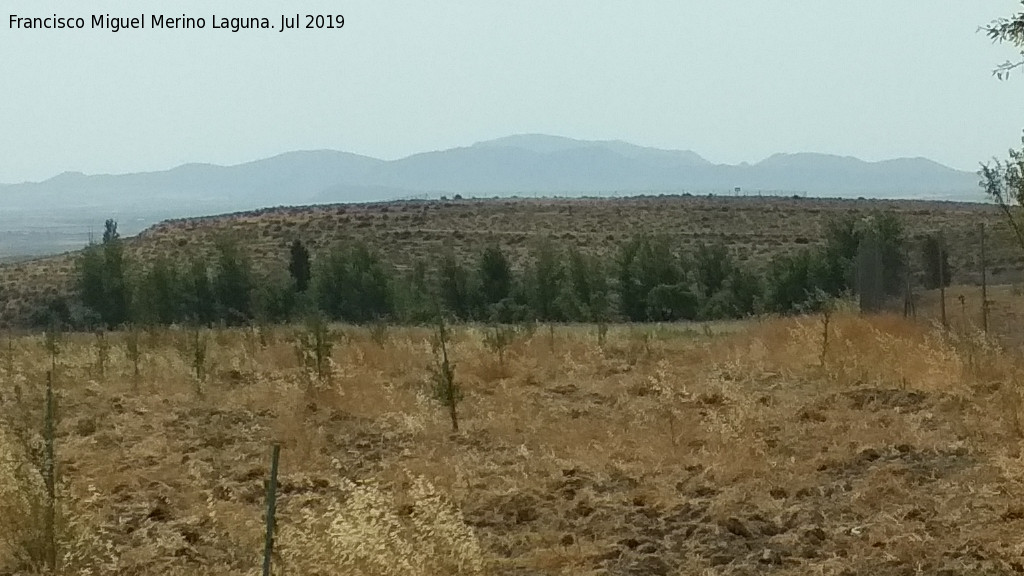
646	279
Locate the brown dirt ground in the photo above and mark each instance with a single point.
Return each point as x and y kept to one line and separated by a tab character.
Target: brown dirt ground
669	450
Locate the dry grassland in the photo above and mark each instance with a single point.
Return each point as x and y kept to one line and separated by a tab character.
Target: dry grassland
669	450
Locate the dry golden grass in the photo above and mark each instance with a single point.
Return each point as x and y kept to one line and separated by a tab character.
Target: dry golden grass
670	450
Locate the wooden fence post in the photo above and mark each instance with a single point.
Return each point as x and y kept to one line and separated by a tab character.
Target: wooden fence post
50	477
984	282
942	278
268	547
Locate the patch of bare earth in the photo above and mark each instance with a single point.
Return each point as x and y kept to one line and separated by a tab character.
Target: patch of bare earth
663	452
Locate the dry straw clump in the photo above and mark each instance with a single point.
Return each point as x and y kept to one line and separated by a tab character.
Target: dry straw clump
366	530
81	537
22	500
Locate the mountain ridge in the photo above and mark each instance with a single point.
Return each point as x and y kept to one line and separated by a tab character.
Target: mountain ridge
523	164
65	211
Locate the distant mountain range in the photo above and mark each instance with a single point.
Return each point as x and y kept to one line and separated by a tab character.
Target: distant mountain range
514	165
61	213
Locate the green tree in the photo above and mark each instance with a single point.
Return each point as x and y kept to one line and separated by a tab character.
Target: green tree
746	292
790	281
632	298
935	261
578	286
544	283
103	280
643	264
585	295
656	265
1003	181
159	294
368	287
740	296
454	287
671	302
835	270
726	289
118	291
329	282
494	276
200	305
353	285
889	228
233	283
91	279
415	297
871	272
299	265
713	265
275	299
1009	30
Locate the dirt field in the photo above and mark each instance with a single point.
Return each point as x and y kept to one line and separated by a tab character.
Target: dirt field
668	450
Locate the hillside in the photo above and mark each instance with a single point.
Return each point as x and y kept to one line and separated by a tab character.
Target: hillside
755	229
46	217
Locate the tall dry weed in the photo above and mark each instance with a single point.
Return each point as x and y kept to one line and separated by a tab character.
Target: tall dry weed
367	531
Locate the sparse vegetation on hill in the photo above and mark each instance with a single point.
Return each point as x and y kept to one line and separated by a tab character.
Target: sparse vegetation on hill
653	281
426	247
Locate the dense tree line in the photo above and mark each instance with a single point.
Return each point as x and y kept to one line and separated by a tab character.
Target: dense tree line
647	279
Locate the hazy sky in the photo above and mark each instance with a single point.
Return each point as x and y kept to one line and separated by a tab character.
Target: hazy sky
732	80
